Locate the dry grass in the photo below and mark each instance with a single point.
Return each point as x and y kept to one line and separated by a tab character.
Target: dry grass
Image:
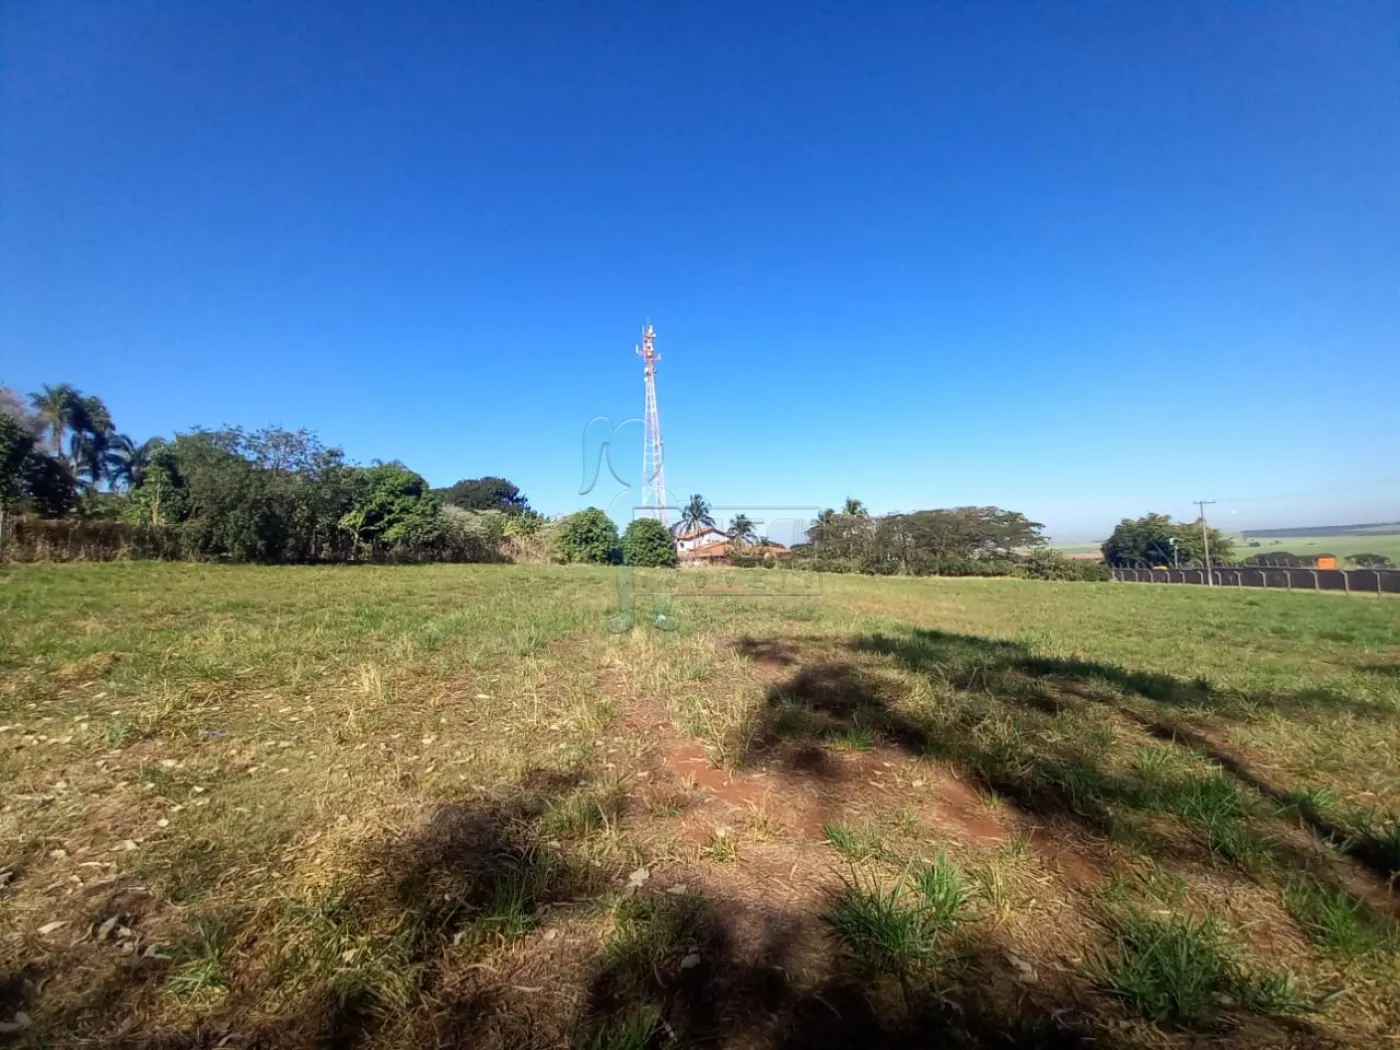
443	806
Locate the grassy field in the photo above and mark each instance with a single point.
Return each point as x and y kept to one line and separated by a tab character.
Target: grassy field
444	806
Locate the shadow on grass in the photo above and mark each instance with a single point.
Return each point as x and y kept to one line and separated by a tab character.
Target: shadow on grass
1010	671
434	946
683	973
961	658
1023	725
677	970
471	876
420	951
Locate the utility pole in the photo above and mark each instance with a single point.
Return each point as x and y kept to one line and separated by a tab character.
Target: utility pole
1205	536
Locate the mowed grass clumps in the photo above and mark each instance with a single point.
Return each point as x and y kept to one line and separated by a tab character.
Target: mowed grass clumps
369	806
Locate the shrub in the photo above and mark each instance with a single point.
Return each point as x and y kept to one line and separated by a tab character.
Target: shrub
1371	561
648	543
77	539
539	546
971	567
589	536
1052	565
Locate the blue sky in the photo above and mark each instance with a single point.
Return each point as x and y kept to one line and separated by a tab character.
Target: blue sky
1080	260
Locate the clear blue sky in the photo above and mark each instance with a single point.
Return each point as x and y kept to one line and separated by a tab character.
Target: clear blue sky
1082	260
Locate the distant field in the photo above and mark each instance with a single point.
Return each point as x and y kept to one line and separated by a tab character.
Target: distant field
1077	548
441	806
1342	546
1385	528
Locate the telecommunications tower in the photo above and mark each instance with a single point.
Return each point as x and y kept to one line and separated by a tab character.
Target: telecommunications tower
653	474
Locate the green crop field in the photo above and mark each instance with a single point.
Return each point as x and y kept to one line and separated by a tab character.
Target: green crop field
1311	546
443	806
1304	546
1085	547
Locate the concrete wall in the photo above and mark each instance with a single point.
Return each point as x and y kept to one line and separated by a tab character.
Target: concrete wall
1354	581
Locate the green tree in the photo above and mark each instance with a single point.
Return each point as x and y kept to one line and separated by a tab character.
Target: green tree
696	515
1052	565
91	435
159	496
266	495
588	536
648	543
741	530
127	461
489	493
56	407
47	486
527	523
1371	561
394	509
16	444
1149	540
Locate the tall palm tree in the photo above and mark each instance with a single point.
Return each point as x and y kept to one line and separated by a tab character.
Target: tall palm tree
126	461
696	515
91	424
56	407
854	508
741	530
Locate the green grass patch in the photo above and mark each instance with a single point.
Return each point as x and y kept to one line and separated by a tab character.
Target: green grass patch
1182	970
1338	921
859	842
900	931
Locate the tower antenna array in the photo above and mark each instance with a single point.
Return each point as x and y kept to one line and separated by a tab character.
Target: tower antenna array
653	473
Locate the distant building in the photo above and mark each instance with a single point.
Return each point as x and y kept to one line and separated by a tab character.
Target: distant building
694	538
708	546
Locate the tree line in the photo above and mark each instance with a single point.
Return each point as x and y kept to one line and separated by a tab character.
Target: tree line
270	495
953	541
958	541
277	495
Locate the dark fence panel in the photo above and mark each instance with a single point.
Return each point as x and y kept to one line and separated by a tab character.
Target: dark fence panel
1353	581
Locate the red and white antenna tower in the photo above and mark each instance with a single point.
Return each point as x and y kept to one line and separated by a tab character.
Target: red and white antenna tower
653	474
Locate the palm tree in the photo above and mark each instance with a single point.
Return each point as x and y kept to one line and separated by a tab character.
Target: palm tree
127	461
696	515
854	508
91	424
56	407
741	530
